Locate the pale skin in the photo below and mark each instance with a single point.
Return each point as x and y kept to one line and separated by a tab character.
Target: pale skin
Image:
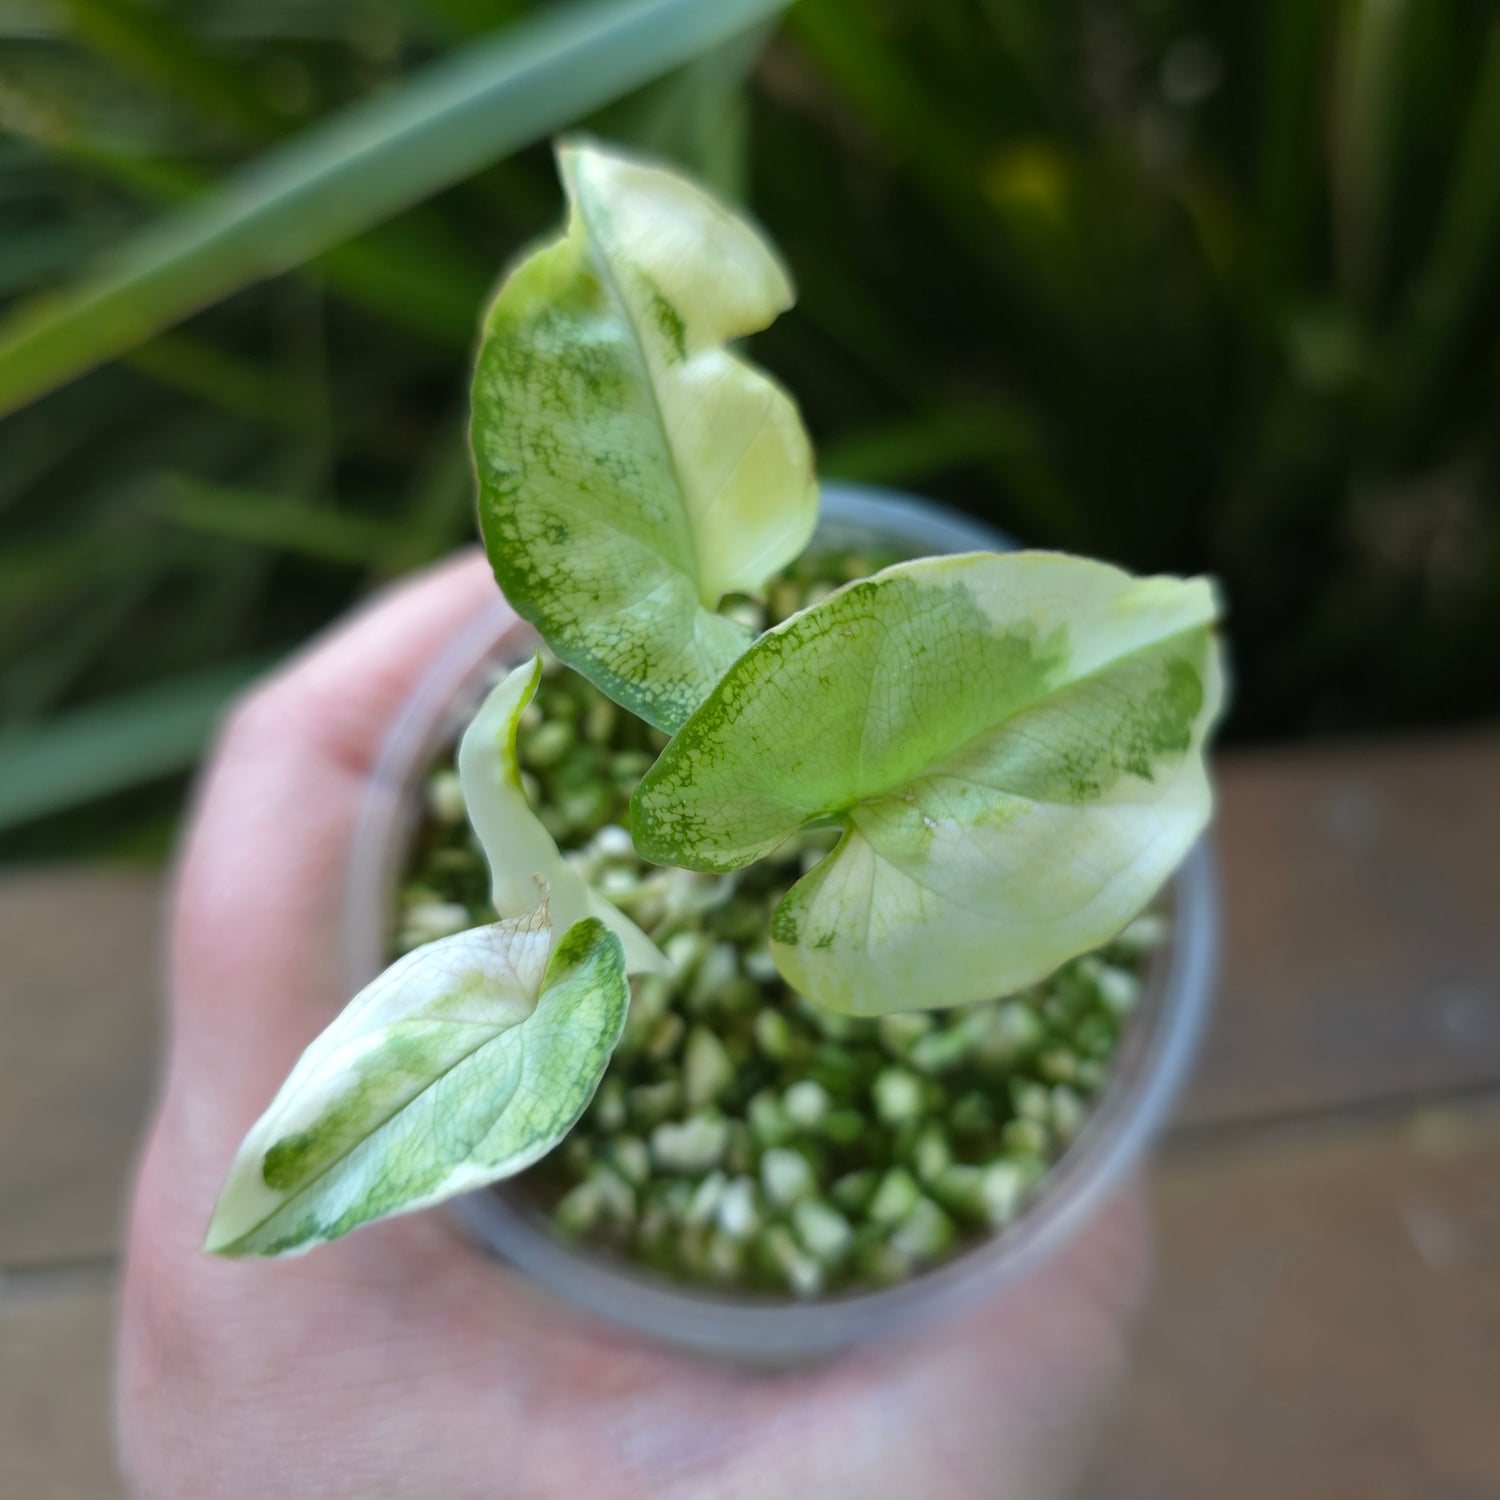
402	1363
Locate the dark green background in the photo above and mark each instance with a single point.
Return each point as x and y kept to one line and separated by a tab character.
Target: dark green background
1191	286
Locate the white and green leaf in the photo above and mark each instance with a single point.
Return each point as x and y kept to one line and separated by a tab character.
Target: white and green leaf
1013	746
466	1061
519	850
632	470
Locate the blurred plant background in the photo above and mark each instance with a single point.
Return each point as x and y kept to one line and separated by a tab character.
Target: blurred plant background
1188	284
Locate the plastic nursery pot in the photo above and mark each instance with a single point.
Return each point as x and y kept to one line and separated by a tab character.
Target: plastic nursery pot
1148	1067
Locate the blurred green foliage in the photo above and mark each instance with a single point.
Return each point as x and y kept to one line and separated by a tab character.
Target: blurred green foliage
1190	284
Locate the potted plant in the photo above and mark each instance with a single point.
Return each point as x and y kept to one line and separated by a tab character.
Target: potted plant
785	935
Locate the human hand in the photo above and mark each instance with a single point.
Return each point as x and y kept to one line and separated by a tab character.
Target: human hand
403	1363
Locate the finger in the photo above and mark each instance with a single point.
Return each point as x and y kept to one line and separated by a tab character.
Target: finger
1000	1398
1005	1398
334	699
256	944
1020	1388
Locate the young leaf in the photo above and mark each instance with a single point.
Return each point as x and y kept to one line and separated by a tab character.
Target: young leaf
632	470
467	1060
1012	744
518	849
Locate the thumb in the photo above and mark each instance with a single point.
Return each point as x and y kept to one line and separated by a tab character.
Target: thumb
255	961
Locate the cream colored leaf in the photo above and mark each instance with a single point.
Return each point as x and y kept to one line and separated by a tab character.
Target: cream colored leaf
519	850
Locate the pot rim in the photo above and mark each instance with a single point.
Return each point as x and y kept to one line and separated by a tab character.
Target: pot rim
1145	1075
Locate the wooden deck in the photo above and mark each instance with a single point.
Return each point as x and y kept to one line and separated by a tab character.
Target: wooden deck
1326	1321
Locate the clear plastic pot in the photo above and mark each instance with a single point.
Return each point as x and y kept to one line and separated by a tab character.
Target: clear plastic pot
1148	1069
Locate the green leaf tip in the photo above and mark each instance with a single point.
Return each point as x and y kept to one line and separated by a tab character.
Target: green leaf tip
632	470
1013	745
466	1061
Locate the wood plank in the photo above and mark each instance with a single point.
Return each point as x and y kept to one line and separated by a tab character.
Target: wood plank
1362	961
56	1429
1326	1320
78	1016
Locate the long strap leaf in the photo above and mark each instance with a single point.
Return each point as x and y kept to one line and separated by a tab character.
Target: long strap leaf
358	168
110	746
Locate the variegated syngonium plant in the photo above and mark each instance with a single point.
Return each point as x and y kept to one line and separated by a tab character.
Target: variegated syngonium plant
1011	745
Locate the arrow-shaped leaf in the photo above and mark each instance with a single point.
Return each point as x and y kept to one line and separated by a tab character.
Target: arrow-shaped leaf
467	1060
632	470
1012	744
